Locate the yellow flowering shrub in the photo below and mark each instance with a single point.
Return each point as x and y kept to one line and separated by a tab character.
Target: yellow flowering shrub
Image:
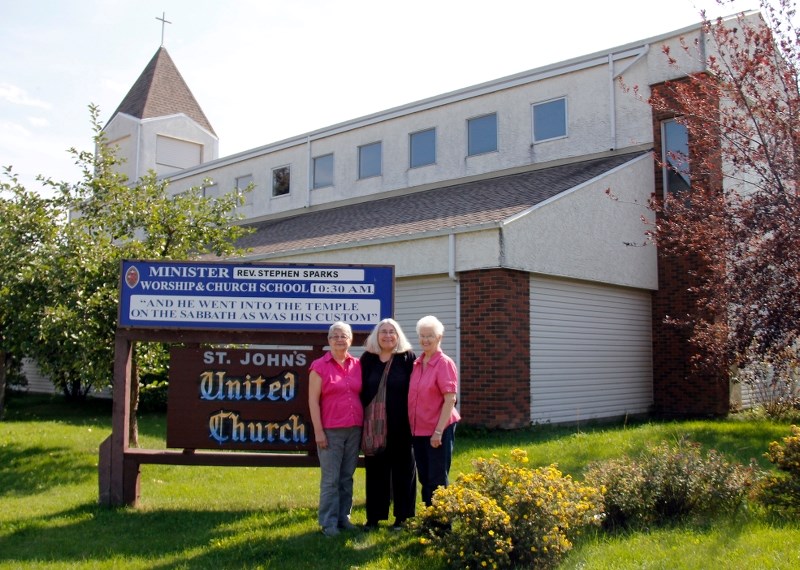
781	492
506	515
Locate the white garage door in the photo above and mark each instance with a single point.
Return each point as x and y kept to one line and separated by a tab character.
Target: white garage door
591	351
417	297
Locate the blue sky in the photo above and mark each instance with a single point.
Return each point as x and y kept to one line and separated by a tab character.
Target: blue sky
265	70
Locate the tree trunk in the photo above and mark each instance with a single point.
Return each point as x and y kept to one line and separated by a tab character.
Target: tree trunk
2	383
133	426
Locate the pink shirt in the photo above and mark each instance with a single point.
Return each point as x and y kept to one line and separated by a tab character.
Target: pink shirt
340	405
426	393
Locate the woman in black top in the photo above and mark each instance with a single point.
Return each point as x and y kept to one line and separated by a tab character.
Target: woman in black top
391	474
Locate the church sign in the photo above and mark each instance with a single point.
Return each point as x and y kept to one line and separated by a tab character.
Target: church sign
242	399
243	296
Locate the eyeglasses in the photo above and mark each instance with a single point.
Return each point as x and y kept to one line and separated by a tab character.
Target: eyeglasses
427	337
338	337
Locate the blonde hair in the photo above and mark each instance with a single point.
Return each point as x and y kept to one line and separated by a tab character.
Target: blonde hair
372	344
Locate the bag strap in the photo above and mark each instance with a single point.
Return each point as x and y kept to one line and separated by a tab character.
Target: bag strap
382	386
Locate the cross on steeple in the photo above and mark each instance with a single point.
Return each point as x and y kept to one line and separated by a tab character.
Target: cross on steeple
163	21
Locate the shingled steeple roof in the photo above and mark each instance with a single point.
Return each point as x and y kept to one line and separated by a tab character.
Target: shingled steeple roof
161	91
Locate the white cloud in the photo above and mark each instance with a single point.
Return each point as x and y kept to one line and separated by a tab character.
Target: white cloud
38	122
12	132
19	96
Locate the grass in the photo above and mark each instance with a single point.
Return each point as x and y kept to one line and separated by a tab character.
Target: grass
205	517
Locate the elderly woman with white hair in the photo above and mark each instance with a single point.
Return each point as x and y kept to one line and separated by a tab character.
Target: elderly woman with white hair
334	404
390	474
431	408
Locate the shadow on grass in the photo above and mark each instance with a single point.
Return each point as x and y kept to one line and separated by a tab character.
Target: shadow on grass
43	407
90	412
29	470
741	441
572	448
168	539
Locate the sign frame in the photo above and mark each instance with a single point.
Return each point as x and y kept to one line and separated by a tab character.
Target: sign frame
119	465
239	296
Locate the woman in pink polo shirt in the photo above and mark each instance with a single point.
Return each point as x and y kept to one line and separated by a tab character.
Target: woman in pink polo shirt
431	408
336	412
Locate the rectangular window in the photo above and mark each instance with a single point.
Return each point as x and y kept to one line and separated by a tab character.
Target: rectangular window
675	156
323	171
242	182
482	134
210	190
549	120
369	160
280	181
422	146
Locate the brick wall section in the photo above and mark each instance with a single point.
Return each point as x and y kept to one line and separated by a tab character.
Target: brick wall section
678	389
495	348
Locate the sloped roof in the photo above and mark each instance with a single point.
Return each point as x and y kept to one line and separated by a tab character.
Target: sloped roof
161	91
459	206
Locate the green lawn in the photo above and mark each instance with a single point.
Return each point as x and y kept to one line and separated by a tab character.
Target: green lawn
204	517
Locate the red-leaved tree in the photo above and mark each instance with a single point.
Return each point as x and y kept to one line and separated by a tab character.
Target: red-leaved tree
739	222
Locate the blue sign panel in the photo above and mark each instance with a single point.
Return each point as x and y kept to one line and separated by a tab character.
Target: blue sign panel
249	296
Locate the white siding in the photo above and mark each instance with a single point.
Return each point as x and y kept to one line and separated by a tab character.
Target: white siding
40	384
417	297
37	383
591	351
177	154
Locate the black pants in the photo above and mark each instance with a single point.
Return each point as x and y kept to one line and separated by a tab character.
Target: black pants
433	463
391	476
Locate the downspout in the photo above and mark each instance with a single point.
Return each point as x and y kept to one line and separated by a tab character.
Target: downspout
451	271
501	260
138	150
310	172
703	55
612	102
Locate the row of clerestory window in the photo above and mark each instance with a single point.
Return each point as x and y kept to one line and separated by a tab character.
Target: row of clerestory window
549	122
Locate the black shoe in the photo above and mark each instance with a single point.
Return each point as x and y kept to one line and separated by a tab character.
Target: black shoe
398	524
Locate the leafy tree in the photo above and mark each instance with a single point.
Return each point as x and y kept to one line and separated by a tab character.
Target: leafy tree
28	226
738	223
111	220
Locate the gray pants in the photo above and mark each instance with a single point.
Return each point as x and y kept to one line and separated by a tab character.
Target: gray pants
338	464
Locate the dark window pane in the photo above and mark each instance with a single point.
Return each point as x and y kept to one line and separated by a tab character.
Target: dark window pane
323	171
550	120
280	181
482	133
676	157
369	160
423	148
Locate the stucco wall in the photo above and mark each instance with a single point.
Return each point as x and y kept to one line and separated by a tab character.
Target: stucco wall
602	114
583	234
138	139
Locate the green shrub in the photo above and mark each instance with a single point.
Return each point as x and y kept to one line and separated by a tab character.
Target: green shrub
781	492
505	516
668	484
153	396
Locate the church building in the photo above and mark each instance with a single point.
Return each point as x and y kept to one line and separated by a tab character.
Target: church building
493	204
